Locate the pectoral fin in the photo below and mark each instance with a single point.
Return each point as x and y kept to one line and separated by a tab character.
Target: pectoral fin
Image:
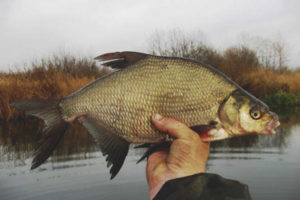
202	130
209	133
112	145
152	148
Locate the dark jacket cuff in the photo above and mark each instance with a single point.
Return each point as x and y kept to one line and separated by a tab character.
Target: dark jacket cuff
203	186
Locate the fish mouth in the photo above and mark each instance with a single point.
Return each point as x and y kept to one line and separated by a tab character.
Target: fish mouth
271	126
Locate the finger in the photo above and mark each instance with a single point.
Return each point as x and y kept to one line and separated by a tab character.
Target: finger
206	147
205	151
206	144
173	127
156	158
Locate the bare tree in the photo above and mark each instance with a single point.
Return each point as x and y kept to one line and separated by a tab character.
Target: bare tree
238	61
178	43
271	54
279	49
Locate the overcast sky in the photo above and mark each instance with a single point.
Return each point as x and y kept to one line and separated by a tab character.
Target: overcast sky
31	29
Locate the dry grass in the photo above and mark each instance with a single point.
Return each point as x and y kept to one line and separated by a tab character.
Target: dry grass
13	89
264	82
50	79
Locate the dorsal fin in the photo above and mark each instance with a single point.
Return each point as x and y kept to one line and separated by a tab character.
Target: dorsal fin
121	60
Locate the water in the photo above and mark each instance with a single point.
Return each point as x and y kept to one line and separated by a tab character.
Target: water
269	165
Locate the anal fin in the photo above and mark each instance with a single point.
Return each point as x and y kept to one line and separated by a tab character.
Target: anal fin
112	145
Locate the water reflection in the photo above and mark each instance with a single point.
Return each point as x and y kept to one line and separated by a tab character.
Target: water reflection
259	161
19	139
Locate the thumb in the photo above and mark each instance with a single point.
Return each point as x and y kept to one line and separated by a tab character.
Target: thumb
173	127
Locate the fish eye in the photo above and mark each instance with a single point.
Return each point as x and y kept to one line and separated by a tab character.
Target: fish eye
255	114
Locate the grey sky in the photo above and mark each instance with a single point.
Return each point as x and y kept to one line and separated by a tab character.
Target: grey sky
31	29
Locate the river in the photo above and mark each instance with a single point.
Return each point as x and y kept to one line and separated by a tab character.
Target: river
269	165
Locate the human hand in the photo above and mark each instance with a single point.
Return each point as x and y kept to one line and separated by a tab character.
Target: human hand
187	155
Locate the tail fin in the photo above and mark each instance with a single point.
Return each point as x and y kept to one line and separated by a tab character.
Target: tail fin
54	127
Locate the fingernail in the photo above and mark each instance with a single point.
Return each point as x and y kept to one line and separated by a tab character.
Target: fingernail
158	117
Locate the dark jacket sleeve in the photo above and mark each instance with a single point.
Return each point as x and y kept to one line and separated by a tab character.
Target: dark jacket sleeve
203	186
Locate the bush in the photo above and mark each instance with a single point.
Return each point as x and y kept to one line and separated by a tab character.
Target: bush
281	99
238	62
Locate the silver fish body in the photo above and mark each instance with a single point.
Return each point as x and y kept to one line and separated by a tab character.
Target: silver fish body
124	101
116	109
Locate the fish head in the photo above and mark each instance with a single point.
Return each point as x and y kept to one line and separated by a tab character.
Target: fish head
242	113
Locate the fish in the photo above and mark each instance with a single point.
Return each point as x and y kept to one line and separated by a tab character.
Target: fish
116	109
